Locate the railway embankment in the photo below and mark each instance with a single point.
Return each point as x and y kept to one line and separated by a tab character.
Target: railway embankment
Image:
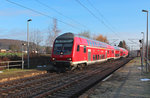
127	82
59	85
14	74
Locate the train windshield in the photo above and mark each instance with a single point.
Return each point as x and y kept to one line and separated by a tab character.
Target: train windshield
63	47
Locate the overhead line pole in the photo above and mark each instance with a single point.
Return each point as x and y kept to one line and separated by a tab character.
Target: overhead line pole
146	42
28	41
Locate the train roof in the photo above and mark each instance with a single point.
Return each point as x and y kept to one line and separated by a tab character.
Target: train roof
70	35
116	48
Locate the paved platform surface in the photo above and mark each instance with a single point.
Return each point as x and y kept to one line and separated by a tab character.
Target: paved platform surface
124	83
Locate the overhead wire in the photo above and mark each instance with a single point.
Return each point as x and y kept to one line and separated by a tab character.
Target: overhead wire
98	11
97	17
38	12
43	4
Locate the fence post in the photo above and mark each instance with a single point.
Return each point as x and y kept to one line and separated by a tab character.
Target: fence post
8	65
22	64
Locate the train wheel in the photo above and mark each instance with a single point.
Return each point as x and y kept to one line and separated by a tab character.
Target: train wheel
71	68
81	66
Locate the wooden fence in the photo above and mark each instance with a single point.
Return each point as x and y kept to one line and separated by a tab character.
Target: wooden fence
8	64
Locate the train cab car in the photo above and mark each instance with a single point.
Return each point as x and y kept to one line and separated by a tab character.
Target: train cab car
62	49
70	50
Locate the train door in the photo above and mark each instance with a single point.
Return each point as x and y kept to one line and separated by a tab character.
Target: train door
106	54
89	54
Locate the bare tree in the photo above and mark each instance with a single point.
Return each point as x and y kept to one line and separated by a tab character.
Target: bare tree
36	39
85	34
124	44
52	33
14	48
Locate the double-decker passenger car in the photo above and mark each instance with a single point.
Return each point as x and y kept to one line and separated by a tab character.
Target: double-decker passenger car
70	50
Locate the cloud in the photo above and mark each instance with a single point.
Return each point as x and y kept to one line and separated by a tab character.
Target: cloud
16	12
13	34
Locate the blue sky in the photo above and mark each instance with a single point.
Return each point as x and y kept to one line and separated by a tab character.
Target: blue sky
124	17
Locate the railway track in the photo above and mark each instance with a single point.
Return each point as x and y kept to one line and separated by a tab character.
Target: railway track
69	84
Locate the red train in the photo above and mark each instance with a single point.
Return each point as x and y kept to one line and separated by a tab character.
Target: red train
71	51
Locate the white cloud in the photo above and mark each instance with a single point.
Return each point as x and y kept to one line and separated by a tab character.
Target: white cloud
16	12
13	34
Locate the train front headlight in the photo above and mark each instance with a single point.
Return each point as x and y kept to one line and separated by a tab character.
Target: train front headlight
69	59
53	59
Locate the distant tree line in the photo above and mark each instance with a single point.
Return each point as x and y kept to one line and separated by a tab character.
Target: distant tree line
122	44
14	48
100	37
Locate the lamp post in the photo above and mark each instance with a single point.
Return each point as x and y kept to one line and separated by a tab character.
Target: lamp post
146	41
23	55
28	40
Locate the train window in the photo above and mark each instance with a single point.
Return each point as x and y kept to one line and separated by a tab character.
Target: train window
78	48
84	49
93	57
103	56
88	43
93	43
98	57
99	45
57	48
64	41
65	48
115	55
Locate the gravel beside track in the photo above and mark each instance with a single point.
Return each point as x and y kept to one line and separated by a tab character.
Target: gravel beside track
68	84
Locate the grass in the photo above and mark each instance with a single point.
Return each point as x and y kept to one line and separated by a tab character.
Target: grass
10	54
14	72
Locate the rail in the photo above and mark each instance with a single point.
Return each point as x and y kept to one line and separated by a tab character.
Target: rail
8	64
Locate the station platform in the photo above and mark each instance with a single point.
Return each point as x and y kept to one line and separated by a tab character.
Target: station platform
127	82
